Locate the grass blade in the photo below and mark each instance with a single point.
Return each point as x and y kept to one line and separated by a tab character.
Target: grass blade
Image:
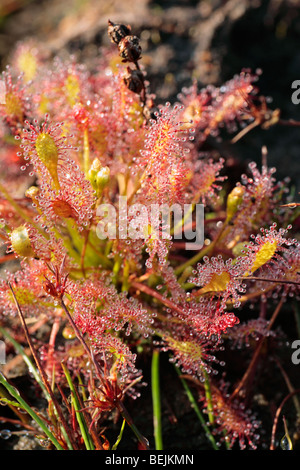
20	350
22	403
156	401
197	411
114	447
79	415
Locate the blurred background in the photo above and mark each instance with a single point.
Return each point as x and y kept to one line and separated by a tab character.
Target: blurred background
206	40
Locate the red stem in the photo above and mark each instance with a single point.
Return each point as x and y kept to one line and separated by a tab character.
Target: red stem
168	303
279	409
249	372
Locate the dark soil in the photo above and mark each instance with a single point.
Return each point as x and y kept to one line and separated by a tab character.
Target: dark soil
207	40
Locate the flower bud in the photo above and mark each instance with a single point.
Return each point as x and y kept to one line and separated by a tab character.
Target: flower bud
234	200
92	173
68	332
96	165
98	175
102	177
20	242
32	192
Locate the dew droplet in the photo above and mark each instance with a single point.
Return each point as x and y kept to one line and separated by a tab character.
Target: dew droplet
5	434
43	441
286	443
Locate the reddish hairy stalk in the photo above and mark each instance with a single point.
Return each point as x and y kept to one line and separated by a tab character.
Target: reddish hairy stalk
9	257
106	385
278	411
156	295
43	374
253	364
289	122
81	339
264	279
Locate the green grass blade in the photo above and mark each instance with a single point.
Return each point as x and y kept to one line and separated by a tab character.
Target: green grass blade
32	368
156	401
114	447
22	403
79	415
197	411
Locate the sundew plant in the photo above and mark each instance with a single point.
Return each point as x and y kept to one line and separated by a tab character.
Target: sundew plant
131	242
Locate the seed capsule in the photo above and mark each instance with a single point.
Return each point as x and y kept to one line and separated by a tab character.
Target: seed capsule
134	80
117	31
130	49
